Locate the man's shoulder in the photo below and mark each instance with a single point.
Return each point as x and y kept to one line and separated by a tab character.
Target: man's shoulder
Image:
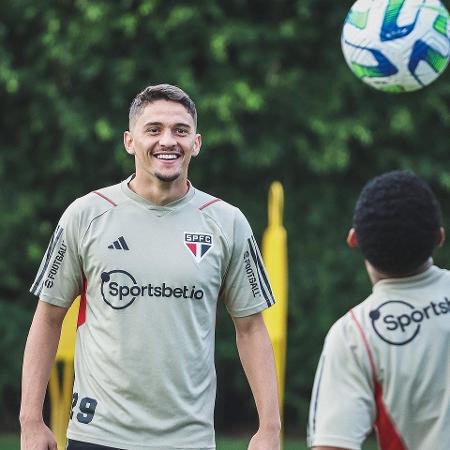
226	216
110	195
96	202
356	317
208	203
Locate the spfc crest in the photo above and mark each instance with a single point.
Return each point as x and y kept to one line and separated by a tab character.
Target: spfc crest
198	244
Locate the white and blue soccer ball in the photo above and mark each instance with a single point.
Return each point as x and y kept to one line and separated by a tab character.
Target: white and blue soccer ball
397	45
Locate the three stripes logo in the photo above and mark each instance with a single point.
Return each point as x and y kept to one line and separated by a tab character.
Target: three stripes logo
198	244
120	244
256	274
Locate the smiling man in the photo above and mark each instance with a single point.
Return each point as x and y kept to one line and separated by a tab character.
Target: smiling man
150	257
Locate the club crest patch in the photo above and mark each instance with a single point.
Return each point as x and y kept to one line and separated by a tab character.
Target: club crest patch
198	244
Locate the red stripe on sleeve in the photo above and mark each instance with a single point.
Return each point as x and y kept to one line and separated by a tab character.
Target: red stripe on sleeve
366	344
105	197
388	436
209	203
83	301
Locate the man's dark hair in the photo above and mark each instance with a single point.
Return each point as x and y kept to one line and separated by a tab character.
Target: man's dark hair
160	92
397	220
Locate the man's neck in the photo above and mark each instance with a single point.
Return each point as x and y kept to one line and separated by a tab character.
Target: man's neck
375	275
157	191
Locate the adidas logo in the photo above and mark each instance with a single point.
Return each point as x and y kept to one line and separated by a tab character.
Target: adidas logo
120	244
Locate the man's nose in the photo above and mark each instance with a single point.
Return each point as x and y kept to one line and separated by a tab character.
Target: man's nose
167	139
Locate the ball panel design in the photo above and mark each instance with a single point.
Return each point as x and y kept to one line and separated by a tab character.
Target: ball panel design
397	45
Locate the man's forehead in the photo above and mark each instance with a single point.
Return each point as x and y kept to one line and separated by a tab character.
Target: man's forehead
165	111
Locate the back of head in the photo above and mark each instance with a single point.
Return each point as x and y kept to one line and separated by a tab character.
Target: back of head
397	220
161	92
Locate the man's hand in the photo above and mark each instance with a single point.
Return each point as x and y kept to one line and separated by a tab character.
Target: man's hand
37	436
265	440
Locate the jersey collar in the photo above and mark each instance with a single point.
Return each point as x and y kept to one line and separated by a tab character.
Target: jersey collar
150	205
428	276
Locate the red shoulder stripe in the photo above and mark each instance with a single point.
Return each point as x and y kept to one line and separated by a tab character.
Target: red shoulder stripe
366	344
105	197
209	203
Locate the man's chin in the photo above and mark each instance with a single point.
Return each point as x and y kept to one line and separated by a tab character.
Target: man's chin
167	178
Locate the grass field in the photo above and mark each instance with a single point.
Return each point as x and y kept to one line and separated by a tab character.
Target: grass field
234	444
11	442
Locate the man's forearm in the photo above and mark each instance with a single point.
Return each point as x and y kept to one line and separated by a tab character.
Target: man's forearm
38	359
256	353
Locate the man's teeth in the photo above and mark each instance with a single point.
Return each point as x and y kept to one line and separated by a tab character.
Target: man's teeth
167	156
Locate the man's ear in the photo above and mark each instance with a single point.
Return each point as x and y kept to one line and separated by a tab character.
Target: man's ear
128	142
441	238
197	145
352	240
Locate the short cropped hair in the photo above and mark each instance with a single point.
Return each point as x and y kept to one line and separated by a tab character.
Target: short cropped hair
397	219
160	92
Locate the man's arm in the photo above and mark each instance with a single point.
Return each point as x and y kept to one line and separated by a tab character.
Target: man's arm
256	354
342	408
38	359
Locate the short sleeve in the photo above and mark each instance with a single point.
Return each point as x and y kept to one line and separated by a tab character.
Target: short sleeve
342	409
59	279
245	289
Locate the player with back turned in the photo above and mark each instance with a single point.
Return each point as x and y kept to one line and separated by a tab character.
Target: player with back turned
151	257
386	363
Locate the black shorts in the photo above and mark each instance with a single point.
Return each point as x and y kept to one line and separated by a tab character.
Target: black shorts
77	445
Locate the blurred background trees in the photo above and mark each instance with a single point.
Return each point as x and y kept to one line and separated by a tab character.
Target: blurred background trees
275	101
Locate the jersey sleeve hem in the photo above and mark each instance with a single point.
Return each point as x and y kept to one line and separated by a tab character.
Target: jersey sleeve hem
63	303
249	311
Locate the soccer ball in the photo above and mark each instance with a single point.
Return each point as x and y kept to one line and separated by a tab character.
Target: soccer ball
397	45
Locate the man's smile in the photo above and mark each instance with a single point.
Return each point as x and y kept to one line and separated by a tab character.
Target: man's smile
167	156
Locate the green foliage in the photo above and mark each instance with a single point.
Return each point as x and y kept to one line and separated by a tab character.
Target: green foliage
275	101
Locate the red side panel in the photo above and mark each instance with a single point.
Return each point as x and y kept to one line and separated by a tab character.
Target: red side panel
82	311
388	436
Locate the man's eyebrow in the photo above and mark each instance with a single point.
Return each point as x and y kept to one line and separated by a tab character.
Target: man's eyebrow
152	123
178	124
182	124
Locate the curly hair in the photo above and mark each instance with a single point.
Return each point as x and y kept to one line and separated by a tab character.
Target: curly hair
397	219
160	92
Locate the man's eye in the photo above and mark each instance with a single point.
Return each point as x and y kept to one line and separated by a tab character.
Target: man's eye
181	131
153	130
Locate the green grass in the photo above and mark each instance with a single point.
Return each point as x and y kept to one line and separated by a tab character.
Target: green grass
289	444
241	444
11	442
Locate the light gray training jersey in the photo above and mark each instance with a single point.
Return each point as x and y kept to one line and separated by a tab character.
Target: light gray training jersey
149	278
386	364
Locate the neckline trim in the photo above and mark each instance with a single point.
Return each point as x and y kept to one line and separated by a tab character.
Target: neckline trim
124	185
427	275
